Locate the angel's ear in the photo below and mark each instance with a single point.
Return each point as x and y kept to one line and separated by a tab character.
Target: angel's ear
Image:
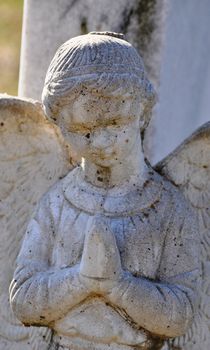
148	100
145	114
141	117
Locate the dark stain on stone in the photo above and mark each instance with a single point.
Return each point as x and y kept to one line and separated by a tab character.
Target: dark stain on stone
68	8
145	13
126	20
156	343
83	26
51	344
142	12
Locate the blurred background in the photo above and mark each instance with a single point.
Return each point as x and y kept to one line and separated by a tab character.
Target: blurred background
11	12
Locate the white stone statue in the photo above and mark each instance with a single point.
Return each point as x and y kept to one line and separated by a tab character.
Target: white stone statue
113	254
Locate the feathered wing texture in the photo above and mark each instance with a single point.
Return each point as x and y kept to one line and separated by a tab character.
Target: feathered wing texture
33	156
188	167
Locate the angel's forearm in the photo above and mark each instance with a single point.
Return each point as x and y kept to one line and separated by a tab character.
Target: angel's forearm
164	310
45	296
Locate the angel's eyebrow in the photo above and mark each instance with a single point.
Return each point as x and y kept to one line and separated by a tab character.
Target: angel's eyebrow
103	122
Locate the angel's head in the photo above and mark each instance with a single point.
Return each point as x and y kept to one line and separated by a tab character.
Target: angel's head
96	90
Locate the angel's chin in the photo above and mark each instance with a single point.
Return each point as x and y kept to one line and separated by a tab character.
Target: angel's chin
104	162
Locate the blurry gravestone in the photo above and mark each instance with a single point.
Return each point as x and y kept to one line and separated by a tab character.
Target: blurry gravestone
47	24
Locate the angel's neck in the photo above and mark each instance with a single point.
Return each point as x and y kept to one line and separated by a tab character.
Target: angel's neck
130	171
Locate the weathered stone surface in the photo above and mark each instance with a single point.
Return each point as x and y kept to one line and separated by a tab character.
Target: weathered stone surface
111	258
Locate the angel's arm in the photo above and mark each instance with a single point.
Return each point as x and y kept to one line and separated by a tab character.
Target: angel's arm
165	307
40	294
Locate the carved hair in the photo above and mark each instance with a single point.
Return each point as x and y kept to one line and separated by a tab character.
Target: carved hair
101	62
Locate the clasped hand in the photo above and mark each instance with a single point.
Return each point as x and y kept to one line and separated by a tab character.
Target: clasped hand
100	269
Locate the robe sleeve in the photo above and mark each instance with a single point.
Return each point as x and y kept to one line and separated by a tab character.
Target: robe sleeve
166	306
39	293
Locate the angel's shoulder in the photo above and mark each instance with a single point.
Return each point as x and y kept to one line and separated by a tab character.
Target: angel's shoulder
174	199
55	196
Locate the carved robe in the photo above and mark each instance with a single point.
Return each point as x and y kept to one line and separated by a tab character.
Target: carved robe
157	237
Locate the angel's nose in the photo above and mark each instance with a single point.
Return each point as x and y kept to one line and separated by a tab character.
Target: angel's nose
102	139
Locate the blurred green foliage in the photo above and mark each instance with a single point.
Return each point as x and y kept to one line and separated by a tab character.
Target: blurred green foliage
10	40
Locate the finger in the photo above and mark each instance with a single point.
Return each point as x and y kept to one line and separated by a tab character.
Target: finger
100	258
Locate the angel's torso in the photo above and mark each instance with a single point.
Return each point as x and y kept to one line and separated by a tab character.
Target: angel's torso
139	220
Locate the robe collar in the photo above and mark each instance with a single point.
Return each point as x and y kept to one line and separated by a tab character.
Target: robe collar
111	202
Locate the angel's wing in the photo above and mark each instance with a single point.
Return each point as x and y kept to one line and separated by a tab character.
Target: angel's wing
188	167
33	156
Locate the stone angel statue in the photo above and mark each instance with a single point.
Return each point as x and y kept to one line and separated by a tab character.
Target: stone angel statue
115	253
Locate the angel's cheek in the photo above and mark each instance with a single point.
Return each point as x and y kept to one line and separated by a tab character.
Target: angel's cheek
76	141
79	145
126	141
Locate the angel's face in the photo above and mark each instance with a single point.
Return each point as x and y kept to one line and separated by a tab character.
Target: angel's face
101	129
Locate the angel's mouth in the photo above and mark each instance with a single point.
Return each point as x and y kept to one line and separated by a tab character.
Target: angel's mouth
104	156
105	152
